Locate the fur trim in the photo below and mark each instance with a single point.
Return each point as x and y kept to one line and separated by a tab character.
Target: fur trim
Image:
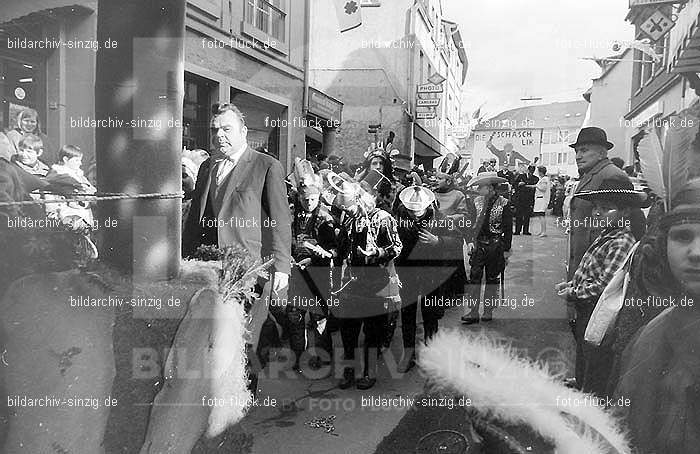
513	389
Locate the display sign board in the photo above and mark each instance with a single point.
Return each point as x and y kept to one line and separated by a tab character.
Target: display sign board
650	2
509	146
425	115
429	88
325	107
427	102
657	25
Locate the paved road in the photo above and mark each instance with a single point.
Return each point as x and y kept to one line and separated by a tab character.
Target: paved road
539	331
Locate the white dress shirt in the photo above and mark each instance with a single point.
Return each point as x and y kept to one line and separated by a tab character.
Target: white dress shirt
227	164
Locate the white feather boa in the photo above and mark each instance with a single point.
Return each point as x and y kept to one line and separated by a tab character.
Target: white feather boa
515	390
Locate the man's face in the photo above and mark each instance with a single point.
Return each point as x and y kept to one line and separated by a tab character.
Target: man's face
309	201
485	190
588	155
228	134
683	252
508	148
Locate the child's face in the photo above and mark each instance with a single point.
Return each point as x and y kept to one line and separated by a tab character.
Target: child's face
28	123
28	155
73	163
683	252
606	213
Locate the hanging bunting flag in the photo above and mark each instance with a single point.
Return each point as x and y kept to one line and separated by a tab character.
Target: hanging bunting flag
349	14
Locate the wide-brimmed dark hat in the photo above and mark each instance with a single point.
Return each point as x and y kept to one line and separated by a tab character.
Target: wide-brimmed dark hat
486	178
618	191
592	135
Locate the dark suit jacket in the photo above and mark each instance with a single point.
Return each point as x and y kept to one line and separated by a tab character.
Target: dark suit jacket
581	236
253	213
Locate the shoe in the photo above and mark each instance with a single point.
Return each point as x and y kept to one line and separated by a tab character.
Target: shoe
366	382
468	320
406	364
516	233
571	383
487	318
528	233
348	378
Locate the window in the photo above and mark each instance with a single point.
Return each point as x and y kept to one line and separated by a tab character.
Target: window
196	112
268	16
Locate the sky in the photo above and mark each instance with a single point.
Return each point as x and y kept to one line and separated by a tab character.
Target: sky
519	48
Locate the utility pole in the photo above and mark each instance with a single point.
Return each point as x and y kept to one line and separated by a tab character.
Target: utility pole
139	86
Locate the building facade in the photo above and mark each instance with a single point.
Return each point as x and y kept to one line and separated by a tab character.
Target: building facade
609	98
251	53
374	71
668	85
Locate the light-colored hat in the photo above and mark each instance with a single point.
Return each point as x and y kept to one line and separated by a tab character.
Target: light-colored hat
486	178
417	198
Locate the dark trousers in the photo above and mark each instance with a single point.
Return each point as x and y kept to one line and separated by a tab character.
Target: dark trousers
522	218
486	257
584	309
431	317
373	328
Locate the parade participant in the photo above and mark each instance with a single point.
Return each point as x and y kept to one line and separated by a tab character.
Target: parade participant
240	185
459	209
490	248
660	375
524	200
368	244
431	252
313	247
612	208
543	192
380	161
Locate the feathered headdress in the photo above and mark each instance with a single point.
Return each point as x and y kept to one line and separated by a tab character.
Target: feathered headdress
665	168
514	390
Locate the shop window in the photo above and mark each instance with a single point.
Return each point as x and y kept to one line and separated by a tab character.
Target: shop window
266	21
21	87
196	112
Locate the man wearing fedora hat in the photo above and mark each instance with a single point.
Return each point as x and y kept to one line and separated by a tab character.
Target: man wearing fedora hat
613	203
594	167
490	247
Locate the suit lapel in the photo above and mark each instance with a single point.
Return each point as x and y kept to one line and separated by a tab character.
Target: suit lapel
205	193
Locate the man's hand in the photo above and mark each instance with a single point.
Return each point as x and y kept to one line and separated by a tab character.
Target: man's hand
428	238
506	256
563	289
280	282
369	252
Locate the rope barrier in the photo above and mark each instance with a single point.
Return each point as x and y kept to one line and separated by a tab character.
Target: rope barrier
97	197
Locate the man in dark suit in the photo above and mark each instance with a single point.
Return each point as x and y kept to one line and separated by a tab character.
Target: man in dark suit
240	198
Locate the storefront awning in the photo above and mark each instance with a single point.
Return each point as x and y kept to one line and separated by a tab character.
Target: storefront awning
685	40
426	144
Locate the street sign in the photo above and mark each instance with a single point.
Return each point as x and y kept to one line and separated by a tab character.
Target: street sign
429	88
425	115
427	102
634	3
436	79
657	25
